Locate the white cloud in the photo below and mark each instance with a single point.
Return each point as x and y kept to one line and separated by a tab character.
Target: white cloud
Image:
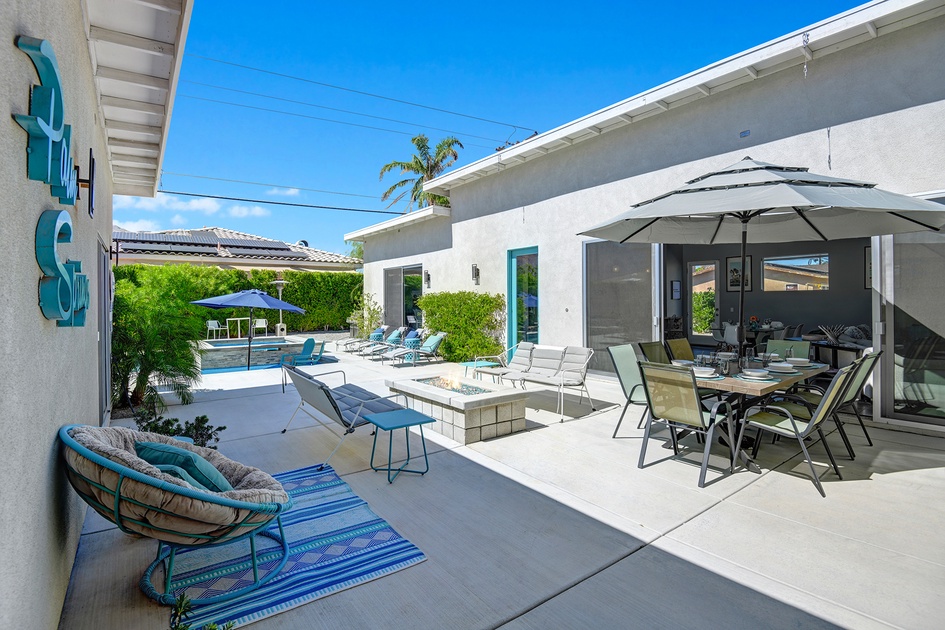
284	192
178	219
167	202
248	211
142	225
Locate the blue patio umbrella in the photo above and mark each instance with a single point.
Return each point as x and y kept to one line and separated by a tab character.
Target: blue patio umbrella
529	300
250	298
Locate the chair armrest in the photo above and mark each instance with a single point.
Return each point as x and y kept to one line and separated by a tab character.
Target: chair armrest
716	407
342	372
763	407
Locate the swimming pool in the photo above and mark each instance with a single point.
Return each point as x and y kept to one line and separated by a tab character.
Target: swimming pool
228	354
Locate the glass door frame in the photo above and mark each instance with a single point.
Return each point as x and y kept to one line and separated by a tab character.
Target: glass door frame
716	323
512	293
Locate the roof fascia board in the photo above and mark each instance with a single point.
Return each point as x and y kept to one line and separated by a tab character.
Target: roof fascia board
411	218
836	32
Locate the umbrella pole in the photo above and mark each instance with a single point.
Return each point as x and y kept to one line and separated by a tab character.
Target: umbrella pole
741	293
249	337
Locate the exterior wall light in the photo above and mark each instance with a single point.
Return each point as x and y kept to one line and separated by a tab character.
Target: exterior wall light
475	273
426	278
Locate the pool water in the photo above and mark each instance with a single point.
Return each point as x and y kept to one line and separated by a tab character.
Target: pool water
453	386
242	368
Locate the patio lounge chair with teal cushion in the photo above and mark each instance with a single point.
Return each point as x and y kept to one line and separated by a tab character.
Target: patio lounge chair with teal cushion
427	350
356	343
142	500
308	355
394	340
787	419
673	399
628	373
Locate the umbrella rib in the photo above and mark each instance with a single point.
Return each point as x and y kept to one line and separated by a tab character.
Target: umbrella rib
718	226
640	230
812	226
926	226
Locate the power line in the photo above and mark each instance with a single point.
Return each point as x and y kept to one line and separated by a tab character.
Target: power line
284	113
242	181
279	203
336	109
346	89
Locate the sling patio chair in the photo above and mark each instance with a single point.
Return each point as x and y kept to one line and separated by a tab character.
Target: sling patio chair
788	419
680	349
200	499
517	358
673	399
627	367
346	405
813	394
654	352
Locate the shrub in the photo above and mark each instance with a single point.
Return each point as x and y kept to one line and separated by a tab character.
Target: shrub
367	315
474	322
703	311
200	430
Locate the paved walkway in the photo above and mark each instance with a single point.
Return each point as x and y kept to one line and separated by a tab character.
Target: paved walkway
556	527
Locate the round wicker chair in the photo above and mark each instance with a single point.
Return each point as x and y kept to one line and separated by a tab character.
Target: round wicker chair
104	469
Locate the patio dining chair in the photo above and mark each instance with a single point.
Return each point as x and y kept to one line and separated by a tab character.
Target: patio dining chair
680	349
718	337
214	328
730	335
673	399
814	394
627	367
261	324
788	419
654	351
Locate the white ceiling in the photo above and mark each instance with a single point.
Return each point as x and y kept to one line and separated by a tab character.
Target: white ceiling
136	48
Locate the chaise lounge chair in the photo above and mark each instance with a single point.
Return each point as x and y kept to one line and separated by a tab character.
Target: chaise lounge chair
427	351
346	405
104	468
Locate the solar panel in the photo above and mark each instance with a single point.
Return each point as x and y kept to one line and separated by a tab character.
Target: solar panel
172	248
253	243
269	253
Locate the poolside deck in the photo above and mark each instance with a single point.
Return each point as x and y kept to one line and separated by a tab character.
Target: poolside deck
556	527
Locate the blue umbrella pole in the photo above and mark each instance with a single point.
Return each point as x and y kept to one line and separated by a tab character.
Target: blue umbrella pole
249	345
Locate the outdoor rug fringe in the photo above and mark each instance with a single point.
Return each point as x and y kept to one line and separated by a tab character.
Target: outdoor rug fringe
335	542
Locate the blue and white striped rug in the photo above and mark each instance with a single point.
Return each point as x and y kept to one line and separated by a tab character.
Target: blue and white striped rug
335	542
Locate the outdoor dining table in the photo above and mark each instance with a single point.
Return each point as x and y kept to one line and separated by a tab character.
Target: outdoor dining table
749	389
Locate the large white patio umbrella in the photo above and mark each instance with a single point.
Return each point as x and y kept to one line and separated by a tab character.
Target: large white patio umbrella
756	202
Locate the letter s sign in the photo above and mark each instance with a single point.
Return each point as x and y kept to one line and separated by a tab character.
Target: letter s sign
63	291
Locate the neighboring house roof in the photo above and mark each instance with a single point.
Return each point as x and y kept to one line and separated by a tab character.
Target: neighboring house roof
223	247
808	44
136	49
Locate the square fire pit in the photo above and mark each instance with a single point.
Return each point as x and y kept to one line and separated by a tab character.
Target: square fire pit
464	409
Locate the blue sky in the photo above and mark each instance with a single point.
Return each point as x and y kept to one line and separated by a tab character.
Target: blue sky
533	64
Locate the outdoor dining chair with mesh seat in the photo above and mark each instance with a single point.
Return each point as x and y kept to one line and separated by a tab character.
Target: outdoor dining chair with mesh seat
673	399
680	349
654	351
627	367
786	419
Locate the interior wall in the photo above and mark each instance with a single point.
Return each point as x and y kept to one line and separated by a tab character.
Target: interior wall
49	374
848	301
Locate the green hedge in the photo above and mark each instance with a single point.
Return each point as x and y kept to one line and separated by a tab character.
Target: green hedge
474	322
328	298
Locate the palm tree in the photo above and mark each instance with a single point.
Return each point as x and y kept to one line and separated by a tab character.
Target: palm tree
426	167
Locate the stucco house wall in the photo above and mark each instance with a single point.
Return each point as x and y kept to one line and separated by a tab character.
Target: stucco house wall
874	111
48	375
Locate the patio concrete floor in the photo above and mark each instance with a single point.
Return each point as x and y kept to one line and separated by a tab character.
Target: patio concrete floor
556	527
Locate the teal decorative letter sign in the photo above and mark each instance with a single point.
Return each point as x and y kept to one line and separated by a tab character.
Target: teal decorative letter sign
63	291
50	145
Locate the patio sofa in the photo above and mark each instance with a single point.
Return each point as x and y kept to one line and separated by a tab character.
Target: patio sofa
555	366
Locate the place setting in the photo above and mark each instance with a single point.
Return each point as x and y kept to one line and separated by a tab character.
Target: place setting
758	375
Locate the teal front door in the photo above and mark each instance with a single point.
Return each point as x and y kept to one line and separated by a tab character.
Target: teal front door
523	295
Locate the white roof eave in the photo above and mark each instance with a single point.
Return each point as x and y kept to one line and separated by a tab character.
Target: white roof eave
411	218
826	37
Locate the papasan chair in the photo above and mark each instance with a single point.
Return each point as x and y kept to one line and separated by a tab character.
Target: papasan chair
104	468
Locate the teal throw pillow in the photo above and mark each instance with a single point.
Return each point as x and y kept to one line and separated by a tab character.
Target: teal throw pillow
180	473
196	466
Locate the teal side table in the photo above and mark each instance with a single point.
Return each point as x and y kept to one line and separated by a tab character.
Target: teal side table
390	421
